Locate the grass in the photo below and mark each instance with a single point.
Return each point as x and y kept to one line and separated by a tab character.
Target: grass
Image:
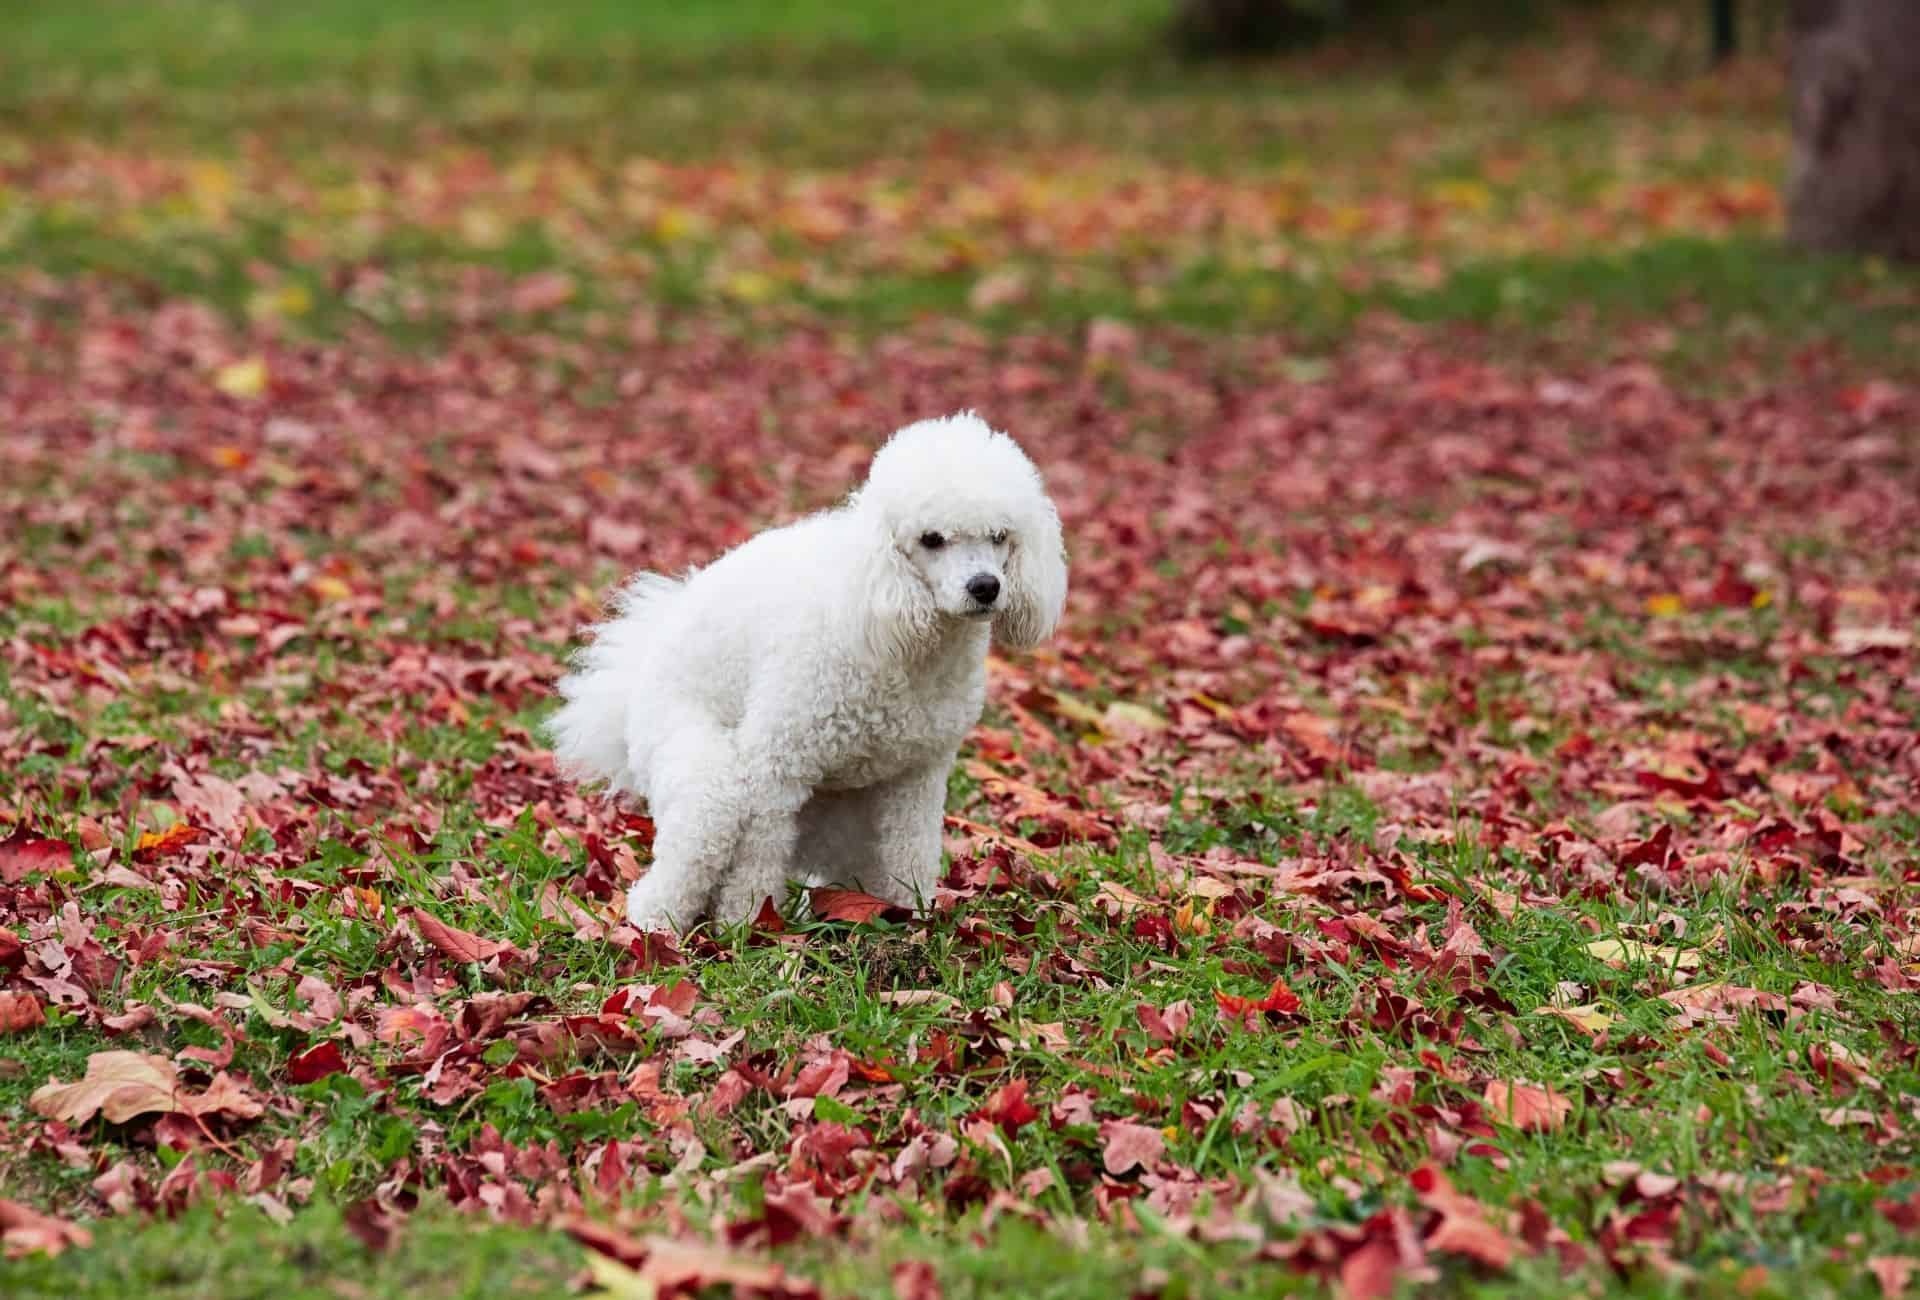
781	163
243	1253
550	206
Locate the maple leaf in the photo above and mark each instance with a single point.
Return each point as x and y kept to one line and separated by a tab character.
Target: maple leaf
152	844
1278	1001
20	1012
119	1085
315	1063
25	1231
660	1265
1894	1273
914	1279
1008	1107
853	907
1462	1228
1589	1019
21	853
1620	953
1527	1107
1125	1145
459	945
1163	1026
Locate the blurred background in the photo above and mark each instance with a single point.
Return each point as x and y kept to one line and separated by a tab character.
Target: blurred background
1583	175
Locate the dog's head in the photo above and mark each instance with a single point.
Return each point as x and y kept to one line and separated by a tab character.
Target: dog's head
964	532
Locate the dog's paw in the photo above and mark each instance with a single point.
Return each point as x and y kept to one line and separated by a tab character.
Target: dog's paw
649	909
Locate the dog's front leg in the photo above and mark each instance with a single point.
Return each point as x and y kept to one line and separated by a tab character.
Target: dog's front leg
908	815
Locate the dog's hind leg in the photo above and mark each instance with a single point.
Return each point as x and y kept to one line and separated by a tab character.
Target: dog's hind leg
763	857
697	824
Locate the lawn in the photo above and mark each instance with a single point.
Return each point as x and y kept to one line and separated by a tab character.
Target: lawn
1463	839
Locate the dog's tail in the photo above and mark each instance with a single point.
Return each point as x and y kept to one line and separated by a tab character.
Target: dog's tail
589	733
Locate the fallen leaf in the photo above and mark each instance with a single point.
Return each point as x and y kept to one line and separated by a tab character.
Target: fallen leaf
853	907
1125	1145
459	945
20	1012
1620	953
118	1085
1589	1019
21	853
246	379
1528	1108
25	1231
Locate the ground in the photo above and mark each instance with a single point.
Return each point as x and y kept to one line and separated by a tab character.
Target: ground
1462	839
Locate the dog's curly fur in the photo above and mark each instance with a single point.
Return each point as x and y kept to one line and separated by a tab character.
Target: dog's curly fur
791	711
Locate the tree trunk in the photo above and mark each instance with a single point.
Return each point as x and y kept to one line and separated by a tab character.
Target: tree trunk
1854	183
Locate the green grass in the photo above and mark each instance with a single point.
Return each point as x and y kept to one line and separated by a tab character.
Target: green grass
345	174
238	1253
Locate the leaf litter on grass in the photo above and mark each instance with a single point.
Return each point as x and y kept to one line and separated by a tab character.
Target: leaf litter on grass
1429	692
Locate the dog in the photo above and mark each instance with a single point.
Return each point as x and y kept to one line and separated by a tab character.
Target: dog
791	712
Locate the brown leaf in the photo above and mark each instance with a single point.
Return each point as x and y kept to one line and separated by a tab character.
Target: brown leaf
118	1085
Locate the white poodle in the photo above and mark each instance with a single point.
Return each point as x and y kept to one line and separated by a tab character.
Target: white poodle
791	711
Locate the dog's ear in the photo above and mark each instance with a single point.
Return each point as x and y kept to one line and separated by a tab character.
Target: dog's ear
1037	574
892	606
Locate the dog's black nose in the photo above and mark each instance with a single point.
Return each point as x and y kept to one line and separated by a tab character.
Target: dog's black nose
983	587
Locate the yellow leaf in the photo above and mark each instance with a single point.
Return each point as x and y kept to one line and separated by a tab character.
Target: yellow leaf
1622	952
328	587
1075	710
616	1281
1136	716
1186	920
749	286
672	225
229	457
1588	1019
1665	605
1468	195
242	379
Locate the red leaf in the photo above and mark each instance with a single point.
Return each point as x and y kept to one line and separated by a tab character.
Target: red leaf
19	1011
458	944
767	920
1008	1107
1165	1026
1125	1145
914	1279
1526	1107
372	1223
21	853
152	844
854	907
1369	1273
1279	1000
27	1232
316	1063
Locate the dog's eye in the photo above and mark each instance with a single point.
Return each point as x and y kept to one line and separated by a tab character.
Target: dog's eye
932	541
999	538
